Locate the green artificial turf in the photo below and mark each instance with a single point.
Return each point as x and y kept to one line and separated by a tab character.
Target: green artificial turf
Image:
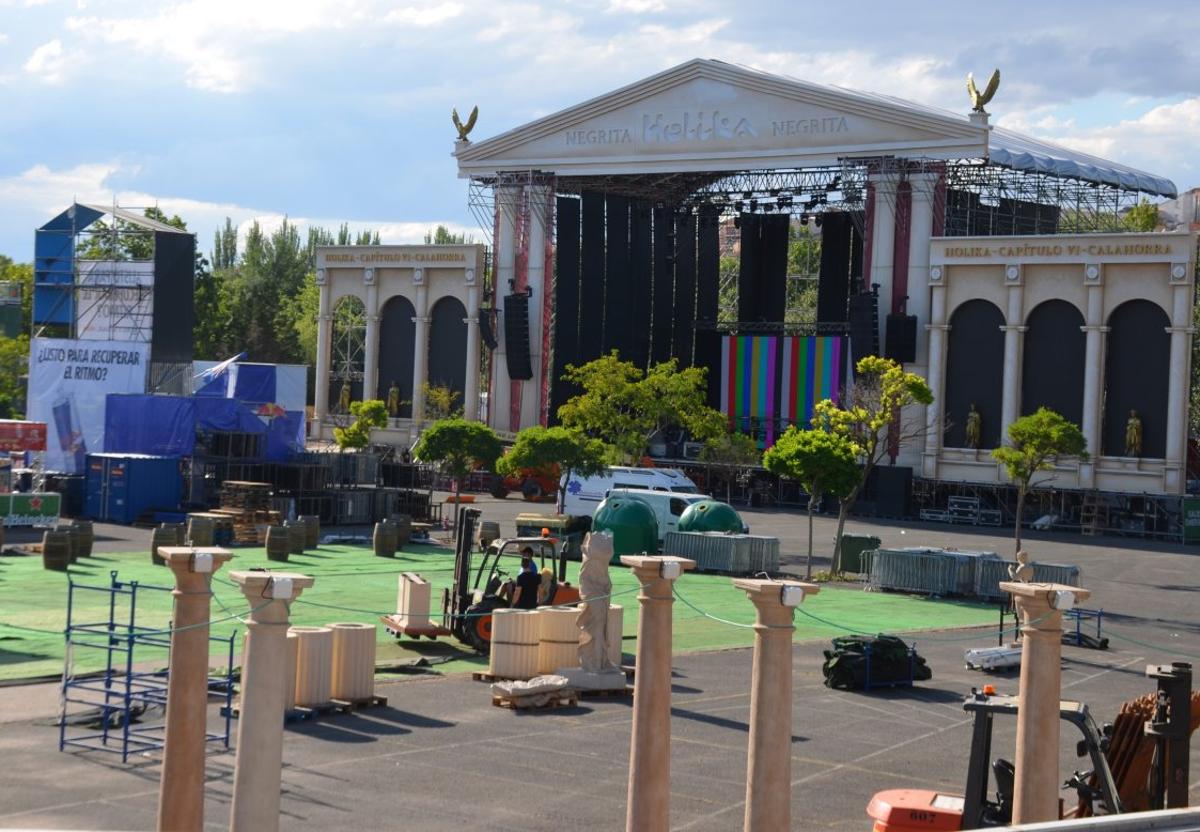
354	585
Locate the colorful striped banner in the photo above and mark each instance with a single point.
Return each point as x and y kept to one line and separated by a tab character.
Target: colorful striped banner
769	382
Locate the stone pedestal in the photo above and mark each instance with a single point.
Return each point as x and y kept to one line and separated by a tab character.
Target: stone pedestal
256	777
769	766
649	800
181	792
1040	606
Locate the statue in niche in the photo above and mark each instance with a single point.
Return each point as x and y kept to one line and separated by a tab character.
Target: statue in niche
974	427
1133	435
393	400
344	397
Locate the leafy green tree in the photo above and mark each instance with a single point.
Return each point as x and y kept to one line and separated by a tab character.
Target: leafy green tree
1142	217
14	361
441	402
22	274
542	449
443	236
458	447
870	417
1036	442
624	407
821	461
371	413
736	452
225	247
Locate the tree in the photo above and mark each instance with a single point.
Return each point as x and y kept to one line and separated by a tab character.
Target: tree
443	236
441	402
735	452
458	447
821	461
14	363
541	449
871	419
1036	441
368	414
1142	217
624	407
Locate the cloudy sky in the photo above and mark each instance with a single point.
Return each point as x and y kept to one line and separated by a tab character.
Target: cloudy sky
339	111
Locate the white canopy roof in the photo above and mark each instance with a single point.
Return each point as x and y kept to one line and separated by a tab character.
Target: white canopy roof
1021	152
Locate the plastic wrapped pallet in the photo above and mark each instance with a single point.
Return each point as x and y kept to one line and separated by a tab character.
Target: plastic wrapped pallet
515	642
412	600
314	666
558	638
353	661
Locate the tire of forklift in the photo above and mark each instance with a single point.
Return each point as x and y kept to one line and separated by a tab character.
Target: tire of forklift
498	489
531	490
479	634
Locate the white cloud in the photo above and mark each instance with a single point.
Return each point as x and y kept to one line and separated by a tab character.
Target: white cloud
47	62
424	15
636	6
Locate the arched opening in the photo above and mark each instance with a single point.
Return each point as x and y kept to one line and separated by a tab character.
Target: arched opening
1137	377
974	372
397	338
346	362
1052	368
448	347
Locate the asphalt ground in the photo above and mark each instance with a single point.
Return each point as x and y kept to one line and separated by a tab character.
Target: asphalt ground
440	756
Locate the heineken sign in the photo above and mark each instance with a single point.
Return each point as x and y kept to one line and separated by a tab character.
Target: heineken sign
30	509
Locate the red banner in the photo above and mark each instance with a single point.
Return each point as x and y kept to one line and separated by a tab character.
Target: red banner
22	436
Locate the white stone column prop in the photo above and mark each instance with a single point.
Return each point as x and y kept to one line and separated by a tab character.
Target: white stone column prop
1040	606
936	378
1093	371
883	245
595	671
257	773
649	802
539	214
1011	401
1177	395
507	198
471	389
371	344
769	761
324	352
420	346
181	790
919	236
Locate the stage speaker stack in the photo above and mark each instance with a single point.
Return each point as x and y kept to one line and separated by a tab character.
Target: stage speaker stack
516	336
864	333
901	338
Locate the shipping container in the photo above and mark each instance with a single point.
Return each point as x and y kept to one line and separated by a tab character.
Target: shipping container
122	487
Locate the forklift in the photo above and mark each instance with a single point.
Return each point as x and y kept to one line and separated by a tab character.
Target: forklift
480	588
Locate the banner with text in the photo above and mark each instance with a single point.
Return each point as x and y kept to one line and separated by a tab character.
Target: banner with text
68	384
115	300
30	509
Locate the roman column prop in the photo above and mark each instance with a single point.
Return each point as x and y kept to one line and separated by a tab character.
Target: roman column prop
1040	606
649	802
181	790
256	775
769	767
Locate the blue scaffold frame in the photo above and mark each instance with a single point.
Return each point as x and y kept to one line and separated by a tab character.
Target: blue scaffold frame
118	690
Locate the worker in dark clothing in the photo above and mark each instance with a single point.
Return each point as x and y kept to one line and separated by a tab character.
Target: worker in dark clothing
528	582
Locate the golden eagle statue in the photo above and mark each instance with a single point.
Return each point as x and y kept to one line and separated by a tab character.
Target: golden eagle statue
978	99
464	129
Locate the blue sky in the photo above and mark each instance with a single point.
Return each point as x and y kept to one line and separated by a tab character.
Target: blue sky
339	111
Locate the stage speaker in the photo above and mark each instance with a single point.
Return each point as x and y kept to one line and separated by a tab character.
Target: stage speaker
893	491
486	330
516	336
901	338
864	335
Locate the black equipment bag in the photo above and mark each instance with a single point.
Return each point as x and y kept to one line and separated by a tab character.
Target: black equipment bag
845	666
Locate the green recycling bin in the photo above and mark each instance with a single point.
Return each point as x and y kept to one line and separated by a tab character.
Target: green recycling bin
853	546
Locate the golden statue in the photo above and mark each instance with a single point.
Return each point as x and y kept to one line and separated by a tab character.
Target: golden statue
1133	435
393	400
978	99
464	129
344	397
974	427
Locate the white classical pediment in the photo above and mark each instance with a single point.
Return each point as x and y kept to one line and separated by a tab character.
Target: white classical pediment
708	115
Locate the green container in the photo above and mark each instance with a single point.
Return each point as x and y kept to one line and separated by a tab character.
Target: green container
853	546
1191	519
711	516
631	523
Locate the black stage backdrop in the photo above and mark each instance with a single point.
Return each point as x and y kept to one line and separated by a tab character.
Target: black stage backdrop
616	277
1053	357
974	372
1138	377
591	318
566	299
685	288
397	338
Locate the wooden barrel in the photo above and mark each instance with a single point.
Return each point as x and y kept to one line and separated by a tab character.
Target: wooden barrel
56	550
200	530
403	524
179	530
384	539
162	536
72	537
296	536
278	543
86	536
312	530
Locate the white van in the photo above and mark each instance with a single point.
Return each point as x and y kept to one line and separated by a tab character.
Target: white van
667	505
581	495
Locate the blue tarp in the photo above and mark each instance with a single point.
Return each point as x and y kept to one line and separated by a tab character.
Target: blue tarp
167	425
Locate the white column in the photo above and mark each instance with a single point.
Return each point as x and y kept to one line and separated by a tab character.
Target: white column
531	409
1093	372
324	353
1177	396
371	345
506	263
937	330
471	389
420	347
883	245
1011	402
920	234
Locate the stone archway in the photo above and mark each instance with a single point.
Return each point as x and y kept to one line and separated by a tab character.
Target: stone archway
1054	359
1137	377
346	363
974	372
397	342
448	346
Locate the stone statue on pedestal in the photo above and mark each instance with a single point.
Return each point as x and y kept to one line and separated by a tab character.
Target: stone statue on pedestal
595	671
974	427
344	397
393	400
1133	435
1022	570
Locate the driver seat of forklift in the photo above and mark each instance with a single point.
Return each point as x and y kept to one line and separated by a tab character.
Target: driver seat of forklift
548	588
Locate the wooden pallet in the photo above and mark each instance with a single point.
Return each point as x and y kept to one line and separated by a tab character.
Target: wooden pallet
559	699
619	693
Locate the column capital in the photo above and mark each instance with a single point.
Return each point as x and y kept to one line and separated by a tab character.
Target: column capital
193	565
651	568
261	588
421	319
937	327
471	321
775	601
1186	330
1042	603
374	319
1013	328
1088	328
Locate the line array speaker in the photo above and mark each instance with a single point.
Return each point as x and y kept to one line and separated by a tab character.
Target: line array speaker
516	336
